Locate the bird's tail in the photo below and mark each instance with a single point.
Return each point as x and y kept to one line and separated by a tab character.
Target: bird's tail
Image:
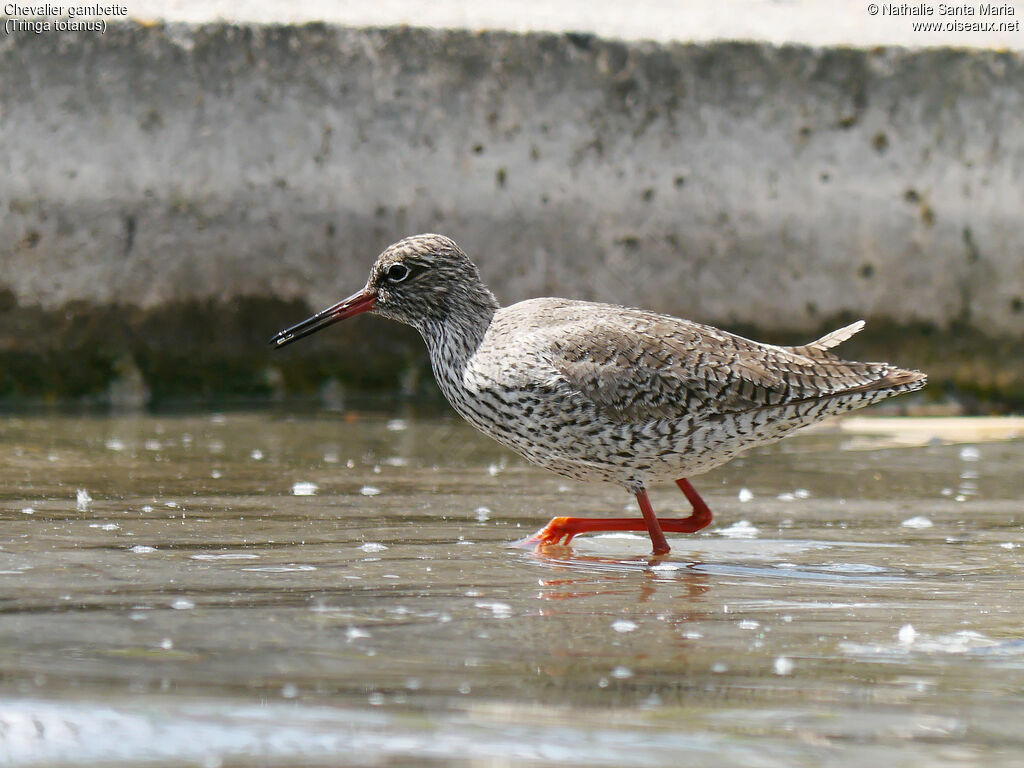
882	376
903	379
895	381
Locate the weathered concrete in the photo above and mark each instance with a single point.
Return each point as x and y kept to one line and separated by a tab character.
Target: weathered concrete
773	189
803	22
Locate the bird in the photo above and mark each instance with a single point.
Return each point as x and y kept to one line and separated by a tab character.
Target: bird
601	392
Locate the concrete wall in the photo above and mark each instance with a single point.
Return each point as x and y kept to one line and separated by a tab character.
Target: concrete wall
161	170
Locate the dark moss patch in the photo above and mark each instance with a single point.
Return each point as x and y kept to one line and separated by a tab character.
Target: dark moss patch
8	300
973	254
203	350
213	350
582	40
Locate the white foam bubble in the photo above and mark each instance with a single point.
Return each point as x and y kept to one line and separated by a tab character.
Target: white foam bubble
82	499
304	488
739	530
782	666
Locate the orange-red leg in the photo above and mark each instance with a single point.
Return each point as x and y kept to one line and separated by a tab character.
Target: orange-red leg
563	529
699	518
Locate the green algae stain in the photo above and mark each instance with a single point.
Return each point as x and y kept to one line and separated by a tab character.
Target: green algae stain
214	350
192	350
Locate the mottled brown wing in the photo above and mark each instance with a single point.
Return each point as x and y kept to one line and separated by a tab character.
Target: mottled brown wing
635	365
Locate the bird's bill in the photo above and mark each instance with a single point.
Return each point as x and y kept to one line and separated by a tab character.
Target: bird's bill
355	304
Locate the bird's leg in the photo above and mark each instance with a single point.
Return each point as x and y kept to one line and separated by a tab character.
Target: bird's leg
701	516
562	530
653	526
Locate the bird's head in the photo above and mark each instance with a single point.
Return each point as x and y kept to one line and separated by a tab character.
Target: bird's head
420	281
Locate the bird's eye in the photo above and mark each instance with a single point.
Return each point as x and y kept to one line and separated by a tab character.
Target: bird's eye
397	273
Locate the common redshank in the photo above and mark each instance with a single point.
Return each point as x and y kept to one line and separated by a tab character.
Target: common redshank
602	392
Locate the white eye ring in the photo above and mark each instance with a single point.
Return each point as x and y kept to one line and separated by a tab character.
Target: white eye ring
397	273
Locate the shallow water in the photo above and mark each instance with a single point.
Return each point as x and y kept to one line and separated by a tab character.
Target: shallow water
257	589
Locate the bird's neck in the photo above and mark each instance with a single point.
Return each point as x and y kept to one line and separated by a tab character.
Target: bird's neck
453	338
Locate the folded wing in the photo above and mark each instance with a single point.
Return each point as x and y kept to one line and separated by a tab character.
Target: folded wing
635	365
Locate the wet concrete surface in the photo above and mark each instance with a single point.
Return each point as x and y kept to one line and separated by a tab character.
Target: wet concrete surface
337	589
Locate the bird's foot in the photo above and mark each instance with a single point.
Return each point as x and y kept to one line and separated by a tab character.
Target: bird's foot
562	530
553	533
